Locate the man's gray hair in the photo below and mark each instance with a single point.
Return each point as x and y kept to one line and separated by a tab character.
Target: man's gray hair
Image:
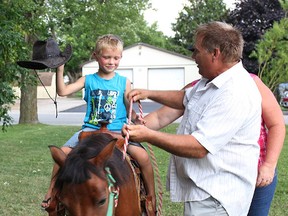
223	36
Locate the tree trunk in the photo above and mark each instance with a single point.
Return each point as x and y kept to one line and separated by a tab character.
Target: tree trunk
28	100
28	104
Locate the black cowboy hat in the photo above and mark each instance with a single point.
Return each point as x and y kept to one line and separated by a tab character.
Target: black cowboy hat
46	54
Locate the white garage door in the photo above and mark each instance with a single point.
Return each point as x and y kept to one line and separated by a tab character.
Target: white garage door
165	78
126	73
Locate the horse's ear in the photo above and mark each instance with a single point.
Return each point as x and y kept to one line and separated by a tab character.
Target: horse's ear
58	155
104	154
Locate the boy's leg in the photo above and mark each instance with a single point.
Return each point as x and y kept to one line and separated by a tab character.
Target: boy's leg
142	157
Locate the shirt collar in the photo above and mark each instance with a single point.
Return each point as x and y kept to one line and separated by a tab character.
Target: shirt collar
225	76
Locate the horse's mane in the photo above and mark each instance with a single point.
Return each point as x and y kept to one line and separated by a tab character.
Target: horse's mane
77	168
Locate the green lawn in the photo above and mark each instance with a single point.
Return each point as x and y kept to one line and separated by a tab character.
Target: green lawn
26	168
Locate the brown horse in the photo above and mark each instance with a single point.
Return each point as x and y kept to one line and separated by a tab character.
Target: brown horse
95	180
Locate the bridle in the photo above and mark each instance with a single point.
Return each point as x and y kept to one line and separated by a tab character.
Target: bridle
113	192
113	195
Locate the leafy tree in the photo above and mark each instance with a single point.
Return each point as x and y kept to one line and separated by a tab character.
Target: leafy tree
194	13
7	56
16	19
271	52
74	22
253	18
32	26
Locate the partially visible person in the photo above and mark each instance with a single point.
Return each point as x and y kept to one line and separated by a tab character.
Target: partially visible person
106	98
214	155
271	141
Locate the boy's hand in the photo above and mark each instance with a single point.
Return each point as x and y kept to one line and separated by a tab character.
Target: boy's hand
60	69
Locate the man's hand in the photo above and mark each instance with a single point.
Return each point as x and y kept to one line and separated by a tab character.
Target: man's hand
137	133
138	120
138	94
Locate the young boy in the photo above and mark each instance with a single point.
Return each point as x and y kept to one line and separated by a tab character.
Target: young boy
105	95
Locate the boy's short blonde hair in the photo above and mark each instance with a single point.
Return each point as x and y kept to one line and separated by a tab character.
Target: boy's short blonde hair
108	41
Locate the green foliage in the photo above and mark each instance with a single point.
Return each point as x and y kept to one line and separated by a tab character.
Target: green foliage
279	205
284	4
253	18
9	52
271	52
6	99
20	22
194	13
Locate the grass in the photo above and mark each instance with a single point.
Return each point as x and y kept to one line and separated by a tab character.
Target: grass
76	95
26	165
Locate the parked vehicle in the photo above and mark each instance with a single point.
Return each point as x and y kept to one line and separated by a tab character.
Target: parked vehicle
284	100
282	94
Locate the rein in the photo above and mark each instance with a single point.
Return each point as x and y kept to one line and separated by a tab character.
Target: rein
127	135
152	155
113	193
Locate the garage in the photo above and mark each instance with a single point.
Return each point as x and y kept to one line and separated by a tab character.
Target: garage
165	78
126	73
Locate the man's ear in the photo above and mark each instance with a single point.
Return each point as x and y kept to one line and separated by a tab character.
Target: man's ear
216	54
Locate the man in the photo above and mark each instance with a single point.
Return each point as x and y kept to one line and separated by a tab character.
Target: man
213	166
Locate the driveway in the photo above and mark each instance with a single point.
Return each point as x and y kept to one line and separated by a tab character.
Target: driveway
71	111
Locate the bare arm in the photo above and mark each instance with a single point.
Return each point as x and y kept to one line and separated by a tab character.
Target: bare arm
64	90
172	99
180	145
165	115
162	117
273	118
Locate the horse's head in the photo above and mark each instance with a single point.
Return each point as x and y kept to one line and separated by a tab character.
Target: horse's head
82	183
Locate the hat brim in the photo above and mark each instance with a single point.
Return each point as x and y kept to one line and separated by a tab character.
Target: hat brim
32	65
50	62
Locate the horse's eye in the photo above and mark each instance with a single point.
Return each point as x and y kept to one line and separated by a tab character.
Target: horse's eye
102	202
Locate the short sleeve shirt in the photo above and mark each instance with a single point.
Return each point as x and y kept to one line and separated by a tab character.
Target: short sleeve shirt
224	115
